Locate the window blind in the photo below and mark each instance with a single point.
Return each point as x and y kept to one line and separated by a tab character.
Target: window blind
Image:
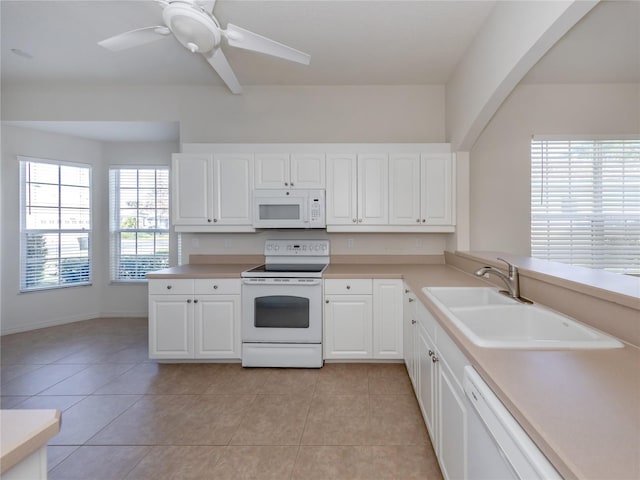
139	221
55	224
585	202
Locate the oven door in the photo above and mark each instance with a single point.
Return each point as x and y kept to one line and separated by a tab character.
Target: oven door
282	310
280	209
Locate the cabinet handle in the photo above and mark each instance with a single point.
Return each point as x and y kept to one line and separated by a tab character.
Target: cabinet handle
413	322
292	184
348	287
406	290
417	220
423	220
431	353
434	359
326	301
195	301
215	287
359	220
168	287
286	184
354	220
188	300
209	220
412	300
215	220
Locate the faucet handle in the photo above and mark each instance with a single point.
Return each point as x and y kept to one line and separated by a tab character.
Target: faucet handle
512	268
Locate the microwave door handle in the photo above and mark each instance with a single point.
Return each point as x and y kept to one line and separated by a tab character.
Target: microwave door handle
305	210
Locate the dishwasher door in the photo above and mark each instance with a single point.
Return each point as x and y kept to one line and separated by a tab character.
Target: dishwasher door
498	447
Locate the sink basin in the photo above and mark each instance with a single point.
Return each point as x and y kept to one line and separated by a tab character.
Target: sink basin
489	321
469	296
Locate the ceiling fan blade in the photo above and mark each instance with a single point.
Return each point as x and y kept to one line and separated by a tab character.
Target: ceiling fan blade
134	38
220	64
241	38
207	5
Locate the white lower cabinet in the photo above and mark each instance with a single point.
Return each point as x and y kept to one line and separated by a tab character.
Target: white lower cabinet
440	395
191	319
362	319
410	335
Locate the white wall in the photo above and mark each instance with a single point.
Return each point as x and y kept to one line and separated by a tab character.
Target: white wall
500	160
21	311
262	114
30	310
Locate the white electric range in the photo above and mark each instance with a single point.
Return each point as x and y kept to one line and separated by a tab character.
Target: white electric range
282	305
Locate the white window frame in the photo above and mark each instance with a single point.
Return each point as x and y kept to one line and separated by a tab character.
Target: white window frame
24	231
115	231
585	201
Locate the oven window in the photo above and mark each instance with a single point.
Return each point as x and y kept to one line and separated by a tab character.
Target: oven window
279	212
281	311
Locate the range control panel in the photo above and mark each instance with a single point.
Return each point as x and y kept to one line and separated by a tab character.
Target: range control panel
307	248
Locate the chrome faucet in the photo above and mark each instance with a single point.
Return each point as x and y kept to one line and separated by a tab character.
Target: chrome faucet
511	280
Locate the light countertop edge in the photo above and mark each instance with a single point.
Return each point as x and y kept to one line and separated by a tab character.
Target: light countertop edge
24	432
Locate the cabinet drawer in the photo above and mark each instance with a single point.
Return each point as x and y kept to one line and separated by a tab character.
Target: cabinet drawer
171	286
217	286
355	286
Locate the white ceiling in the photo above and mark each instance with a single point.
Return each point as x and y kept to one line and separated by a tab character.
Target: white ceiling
361	42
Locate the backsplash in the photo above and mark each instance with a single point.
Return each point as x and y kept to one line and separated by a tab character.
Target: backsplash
341	243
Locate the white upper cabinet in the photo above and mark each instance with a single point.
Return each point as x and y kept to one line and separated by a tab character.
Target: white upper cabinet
369	187
212	191
233	188
373	189
308	170
281	170
437	189
357	189
421	190
404	189
192	189
342	189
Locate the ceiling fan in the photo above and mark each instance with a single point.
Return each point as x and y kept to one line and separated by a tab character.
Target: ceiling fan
194	26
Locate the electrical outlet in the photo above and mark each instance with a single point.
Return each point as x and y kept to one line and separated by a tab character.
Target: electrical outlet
350	243
419	243
227	243
195	242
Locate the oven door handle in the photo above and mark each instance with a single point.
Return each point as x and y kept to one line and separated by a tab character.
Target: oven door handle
275	281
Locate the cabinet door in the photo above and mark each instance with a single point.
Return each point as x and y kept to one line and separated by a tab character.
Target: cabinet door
387	319
404	189
347	326
307	170
427	382
233	186
170	326
437	189
373	189
272	170
191	179
342	207
409	344
217	326
452	425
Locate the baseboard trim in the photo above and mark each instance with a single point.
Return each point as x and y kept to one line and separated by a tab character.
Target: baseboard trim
64	320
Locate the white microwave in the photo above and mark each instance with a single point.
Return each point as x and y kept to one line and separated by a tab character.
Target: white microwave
304	208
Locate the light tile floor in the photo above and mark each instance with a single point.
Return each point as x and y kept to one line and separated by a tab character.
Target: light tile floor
126	417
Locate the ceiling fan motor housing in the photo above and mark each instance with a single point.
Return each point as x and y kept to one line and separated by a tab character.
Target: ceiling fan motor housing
194	29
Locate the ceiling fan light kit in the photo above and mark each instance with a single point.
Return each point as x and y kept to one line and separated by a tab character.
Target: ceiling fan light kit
199	32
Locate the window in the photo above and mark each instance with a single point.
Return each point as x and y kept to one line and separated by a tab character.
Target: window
139	221
55	224
585	203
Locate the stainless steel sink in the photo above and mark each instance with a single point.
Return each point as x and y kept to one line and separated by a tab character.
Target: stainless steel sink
491	320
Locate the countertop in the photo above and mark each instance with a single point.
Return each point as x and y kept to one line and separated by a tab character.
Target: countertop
23	432
581	407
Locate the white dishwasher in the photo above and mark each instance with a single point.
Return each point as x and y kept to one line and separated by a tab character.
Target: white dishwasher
498	447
